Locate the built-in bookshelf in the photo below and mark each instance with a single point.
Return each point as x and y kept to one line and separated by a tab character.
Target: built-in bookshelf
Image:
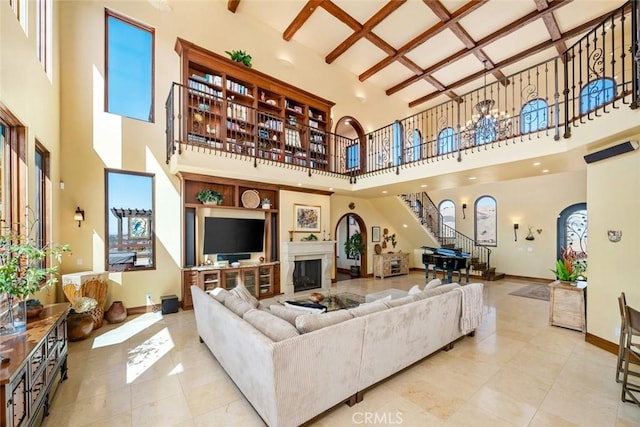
241	110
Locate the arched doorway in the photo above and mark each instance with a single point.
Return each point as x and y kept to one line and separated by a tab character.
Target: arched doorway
353	144
349	223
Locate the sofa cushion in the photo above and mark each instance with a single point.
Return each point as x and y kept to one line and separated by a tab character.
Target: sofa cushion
311	322
237	305
400	301
368	308
272	326
414	289
433	284
437	291
220	294
286	313
244	294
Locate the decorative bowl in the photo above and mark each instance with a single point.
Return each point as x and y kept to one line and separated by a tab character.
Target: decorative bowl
316	297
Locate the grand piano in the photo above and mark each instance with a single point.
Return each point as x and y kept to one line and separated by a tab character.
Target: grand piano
446	260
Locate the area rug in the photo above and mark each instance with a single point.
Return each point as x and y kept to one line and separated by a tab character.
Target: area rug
533	291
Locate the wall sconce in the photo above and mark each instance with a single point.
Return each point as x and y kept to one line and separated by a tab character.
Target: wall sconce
515	230
78	216
464	207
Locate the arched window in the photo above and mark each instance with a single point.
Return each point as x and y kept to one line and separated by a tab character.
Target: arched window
447	210
446	140
397	143
414	149
596	94
572	231
485	130
533	116
485	214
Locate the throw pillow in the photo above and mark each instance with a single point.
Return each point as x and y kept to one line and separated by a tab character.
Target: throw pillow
437	291
414	289
272	326
311	322
238	306
244	294
220	294
401	301
367	308
286	313
433	284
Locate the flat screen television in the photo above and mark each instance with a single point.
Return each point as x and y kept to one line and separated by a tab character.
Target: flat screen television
233	235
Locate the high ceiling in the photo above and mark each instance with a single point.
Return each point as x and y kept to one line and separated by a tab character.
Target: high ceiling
428	51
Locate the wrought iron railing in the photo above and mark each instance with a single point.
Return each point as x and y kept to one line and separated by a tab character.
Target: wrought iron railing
595	75
430	217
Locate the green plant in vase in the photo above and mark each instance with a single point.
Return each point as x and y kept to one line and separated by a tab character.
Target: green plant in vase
568	266
209	196
354	247
24	270
240	56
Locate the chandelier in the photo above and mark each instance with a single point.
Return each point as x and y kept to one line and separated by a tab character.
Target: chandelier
487	124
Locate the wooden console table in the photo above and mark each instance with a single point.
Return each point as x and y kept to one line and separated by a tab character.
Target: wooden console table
567	306
390	264
36	365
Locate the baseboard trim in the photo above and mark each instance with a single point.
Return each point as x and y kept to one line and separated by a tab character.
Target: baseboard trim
140	310
601	343
529	279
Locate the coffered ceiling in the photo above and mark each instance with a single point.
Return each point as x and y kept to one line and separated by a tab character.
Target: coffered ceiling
428	51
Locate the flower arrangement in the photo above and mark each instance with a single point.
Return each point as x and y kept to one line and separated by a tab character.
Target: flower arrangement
569	267
83	304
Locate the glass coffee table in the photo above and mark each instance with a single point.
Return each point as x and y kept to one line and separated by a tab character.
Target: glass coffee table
331	300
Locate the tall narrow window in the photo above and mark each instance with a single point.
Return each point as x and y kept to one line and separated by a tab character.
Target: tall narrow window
446	140
447	211
44	33
596	94
19	7
414	150
12	169
129	67
353	157
130	221
485	221
42	190
533	116
572	231
397	134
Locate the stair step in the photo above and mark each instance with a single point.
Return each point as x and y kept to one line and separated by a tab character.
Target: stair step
481	266
496	276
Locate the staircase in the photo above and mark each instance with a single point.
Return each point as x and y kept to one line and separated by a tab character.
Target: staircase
432	221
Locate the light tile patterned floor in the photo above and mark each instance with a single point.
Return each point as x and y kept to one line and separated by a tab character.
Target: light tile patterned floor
516	371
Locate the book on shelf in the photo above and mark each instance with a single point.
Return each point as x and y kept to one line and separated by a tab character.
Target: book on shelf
292	138
206	91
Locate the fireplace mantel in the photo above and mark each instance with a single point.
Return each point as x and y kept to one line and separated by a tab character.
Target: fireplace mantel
298	251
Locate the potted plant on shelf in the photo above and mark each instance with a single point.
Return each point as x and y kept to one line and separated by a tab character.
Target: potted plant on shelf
568	267
240	56
266	203
208	196
23	272
354	247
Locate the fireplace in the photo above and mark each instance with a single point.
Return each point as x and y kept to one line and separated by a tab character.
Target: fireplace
307	274
293	253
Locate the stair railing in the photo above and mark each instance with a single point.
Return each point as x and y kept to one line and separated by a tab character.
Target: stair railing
448	237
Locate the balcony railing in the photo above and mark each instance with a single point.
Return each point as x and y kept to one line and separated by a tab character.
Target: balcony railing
598	73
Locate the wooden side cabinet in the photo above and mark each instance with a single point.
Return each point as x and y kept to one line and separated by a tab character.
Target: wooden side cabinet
259	279
37	365
390	264
567	306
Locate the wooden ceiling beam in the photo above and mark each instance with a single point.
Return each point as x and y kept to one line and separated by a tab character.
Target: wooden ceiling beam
502	32
232	5
580	29
421	38
552	25
341	15
367	27
302	16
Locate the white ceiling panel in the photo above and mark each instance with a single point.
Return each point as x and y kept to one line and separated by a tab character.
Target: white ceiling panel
494	15
391	75
439	47
579	11
318	23
522	39
462	68
361	11
360	57
416	90
409	21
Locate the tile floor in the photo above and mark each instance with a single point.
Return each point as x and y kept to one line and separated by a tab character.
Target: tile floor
516	371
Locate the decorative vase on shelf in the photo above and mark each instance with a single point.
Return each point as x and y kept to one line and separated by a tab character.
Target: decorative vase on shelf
116	313
13	314
79	326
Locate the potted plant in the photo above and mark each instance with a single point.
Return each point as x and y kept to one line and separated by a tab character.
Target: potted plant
208	196
568	267
354	247
23	272
240	56
266	203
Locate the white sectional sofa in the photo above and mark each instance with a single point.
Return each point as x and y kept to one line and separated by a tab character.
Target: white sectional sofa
292	376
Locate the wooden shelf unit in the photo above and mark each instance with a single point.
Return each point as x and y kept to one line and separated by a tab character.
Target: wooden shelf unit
568	306
238	109
390	264
259	279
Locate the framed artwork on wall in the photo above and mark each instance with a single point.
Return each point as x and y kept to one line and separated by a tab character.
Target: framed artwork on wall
375	234
306	218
